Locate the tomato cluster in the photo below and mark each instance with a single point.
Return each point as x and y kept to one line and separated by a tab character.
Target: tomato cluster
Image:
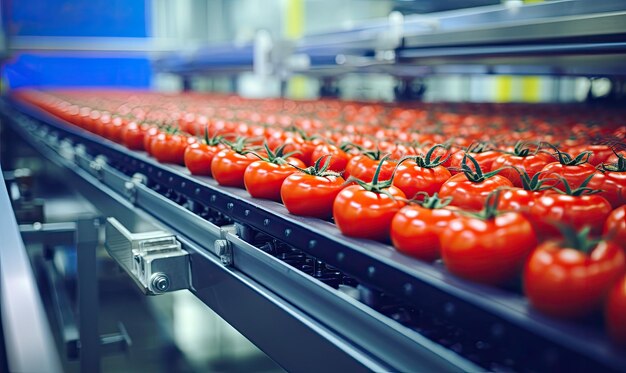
498	192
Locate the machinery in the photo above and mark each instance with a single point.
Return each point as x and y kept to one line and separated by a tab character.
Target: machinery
308	297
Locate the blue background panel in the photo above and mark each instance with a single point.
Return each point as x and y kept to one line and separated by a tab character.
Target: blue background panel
110	18
29	70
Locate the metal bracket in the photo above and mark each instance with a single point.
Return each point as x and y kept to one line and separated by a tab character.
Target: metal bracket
130	187
155	260
224	250
96	166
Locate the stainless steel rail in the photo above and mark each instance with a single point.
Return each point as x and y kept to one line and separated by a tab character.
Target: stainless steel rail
27	335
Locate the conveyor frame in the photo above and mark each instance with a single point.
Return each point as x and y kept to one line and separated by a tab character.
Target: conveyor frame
493	314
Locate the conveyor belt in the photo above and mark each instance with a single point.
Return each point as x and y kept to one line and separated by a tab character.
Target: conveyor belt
491	327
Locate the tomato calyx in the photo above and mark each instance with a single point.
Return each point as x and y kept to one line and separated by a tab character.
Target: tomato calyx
478	175
431	202
376	185
426	161
578	240
568	160
375	155
619	166
240	145
490	208
302	133
212	140
522	149
347	146
478	147
577	192
319	169
277	156
533	184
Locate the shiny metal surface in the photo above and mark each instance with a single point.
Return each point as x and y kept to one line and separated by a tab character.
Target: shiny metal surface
522	23
28	338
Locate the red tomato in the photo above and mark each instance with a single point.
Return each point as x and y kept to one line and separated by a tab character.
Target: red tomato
599	153
517	199
615	311
484	158
150	134
228	165
198	157
133	136
612	185
366	214
421	174
611	180
615	226
113	130
574	170
363	167
470	189
339	158
576	210
532	163
616	156
168	148
415	229
365	210
263	178
311	193
564	281
489	251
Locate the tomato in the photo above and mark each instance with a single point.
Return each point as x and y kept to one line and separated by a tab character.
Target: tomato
571	278
307	147
170	148
363	167
339	158
421	174
615	226
599	153
489	248
366	210
574	207
198	156
611	180
229	165
517	199
522	159
361	213
479	152
415	229
612	185
311	192
150	134
113	130
615	311
616	156
470	189
263	178
574	170
133	136
290	142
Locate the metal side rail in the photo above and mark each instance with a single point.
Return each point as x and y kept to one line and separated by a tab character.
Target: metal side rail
495	317
27	335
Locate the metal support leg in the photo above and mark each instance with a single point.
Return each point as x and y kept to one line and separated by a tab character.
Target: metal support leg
87	241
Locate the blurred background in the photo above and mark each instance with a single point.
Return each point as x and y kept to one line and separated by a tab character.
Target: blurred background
112	43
